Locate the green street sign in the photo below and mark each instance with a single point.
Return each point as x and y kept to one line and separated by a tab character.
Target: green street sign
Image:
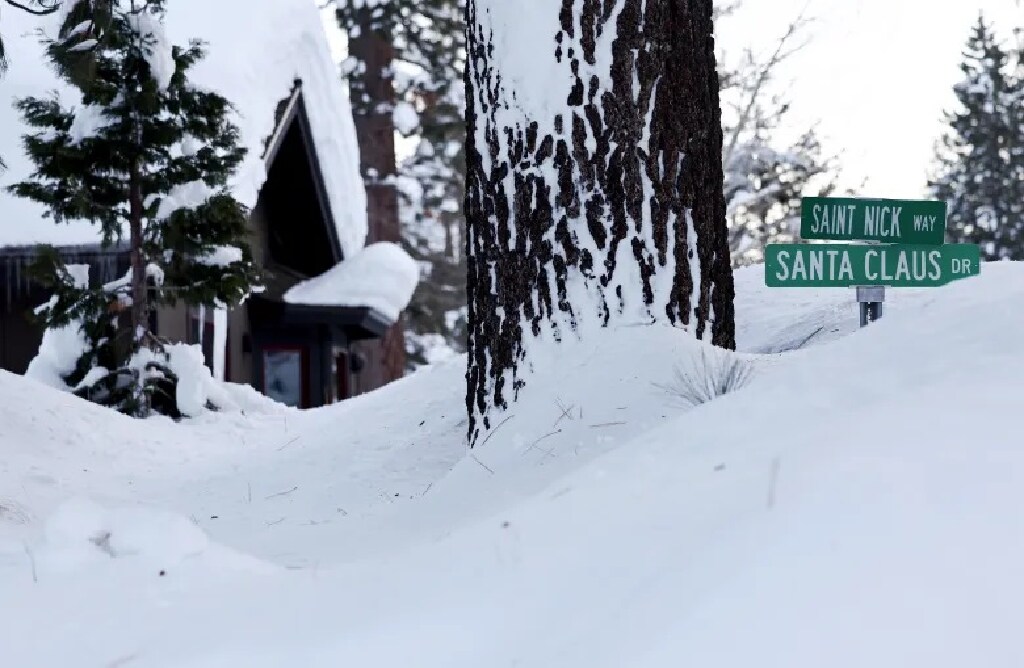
848	265
887	220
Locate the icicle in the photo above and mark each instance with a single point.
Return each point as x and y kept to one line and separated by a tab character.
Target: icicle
202	323
220	341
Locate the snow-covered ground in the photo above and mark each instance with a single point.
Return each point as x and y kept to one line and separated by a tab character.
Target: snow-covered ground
858	503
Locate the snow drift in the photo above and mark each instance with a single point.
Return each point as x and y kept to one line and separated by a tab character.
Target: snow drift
854	504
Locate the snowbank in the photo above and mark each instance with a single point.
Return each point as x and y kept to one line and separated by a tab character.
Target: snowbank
255	74
382	276
856	504
80	532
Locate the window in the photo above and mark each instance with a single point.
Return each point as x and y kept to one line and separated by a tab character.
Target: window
284	376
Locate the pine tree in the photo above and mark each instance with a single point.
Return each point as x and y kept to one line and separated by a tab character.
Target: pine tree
980	161
594	181
419	92
144	153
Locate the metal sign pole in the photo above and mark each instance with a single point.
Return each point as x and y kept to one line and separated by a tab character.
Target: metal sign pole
870	298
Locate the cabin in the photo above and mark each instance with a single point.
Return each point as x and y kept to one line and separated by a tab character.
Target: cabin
302	355
308	213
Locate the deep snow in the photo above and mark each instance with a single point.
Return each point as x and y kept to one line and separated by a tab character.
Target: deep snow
858	503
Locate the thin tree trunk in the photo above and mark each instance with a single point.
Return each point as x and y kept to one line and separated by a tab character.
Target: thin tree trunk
594	179
139	292
140	296
375	133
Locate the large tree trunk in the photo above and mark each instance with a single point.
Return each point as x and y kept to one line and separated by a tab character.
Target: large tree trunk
594	179
375	132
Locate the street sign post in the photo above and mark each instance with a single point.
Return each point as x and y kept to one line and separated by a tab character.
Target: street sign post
871	299
907	249
884	220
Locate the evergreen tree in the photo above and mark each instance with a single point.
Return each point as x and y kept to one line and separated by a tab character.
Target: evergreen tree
144	153
595	203
423	98
980	159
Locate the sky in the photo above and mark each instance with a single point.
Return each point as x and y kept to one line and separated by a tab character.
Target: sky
875	77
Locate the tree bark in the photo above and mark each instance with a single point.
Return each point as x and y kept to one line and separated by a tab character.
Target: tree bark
375	133
594	179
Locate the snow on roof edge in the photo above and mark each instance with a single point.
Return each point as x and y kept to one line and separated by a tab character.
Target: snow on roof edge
381	276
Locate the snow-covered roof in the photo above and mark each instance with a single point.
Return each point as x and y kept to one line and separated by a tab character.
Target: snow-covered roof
382	276
256	51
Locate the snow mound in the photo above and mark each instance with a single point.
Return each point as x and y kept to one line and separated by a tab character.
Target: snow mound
82	532
198	390
249	401
855	504
382	276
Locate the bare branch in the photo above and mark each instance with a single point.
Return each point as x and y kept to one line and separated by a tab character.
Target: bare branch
485	466
783	51
41	10
284	493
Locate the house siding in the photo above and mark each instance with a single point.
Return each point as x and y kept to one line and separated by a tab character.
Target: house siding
174	324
